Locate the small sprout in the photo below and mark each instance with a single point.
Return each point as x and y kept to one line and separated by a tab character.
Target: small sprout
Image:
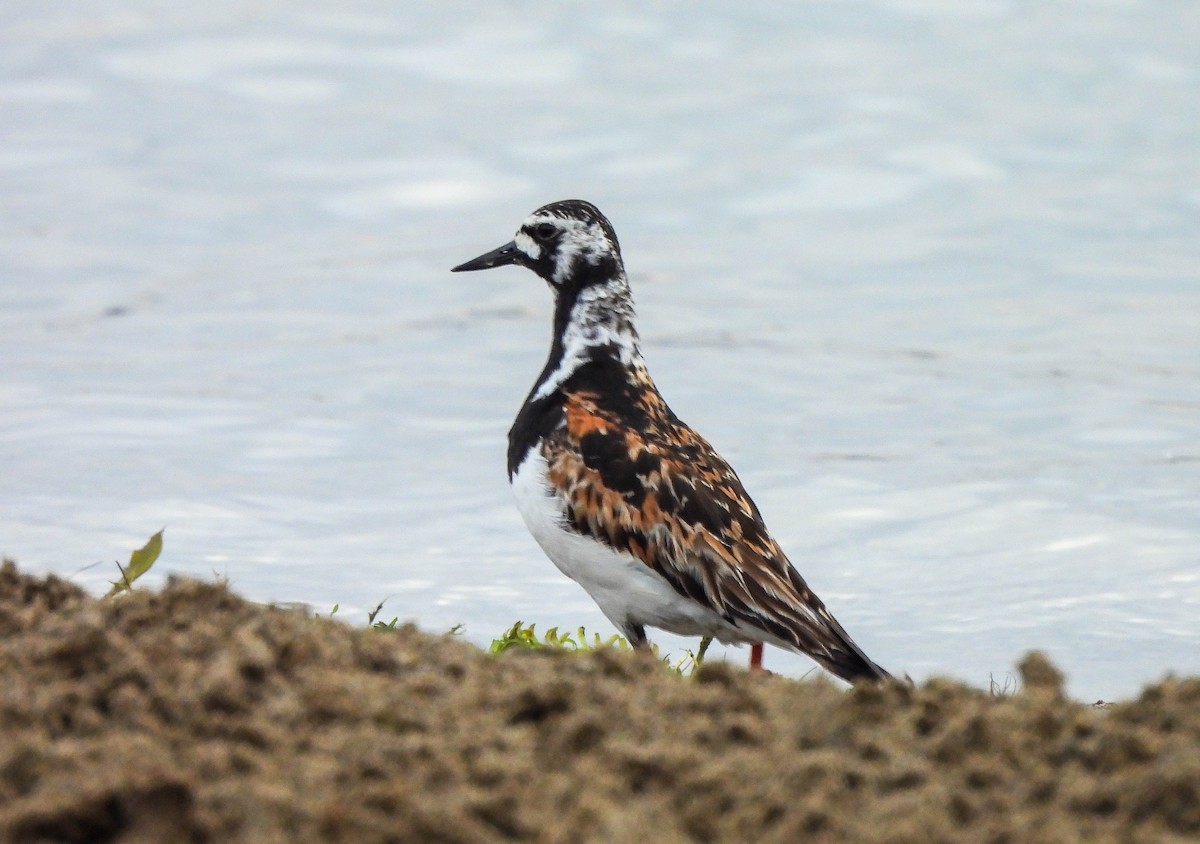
140	562
381	625
371	615
517	636
525	637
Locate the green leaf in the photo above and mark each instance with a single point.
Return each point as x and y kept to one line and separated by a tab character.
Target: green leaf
140	562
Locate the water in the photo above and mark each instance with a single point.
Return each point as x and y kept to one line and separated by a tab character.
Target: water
925	272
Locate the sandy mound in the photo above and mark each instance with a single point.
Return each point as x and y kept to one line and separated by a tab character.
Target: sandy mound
192	715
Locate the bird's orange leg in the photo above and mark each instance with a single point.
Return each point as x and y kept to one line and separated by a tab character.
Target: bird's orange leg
756	653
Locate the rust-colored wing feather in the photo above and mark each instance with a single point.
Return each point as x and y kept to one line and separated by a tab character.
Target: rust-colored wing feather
653	487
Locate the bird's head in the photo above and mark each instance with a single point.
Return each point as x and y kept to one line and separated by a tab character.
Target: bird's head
570	244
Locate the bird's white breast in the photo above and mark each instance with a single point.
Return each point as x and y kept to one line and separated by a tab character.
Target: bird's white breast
626	589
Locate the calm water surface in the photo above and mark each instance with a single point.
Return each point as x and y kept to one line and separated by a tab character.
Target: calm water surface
928	274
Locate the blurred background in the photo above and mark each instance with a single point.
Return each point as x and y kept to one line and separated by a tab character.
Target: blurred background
926	272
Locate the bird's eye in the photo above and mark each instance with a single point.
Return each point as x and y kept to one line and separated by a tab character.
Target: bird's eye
545	231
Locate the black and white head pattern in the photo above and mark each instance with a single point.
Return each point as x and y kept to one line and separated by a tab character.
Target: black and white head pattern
570	243
573	247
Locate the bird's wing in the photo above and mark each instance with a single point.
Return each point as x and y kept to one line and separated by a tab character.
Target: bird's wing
662	494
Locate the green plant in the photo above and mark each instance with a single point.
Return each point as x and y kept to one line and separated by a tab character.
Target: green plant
371	616
381	624
386	625
525	637
140	562
522	636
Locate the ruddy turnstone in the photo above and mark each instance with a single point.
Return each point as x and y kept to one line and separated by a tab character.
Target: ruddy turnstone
627	500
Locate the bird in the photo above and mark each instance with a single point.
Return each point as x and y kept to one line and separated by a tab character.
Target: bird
625	498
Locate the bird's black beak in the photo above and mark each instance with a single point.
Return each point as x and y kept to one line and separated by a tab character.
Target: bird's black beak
506	254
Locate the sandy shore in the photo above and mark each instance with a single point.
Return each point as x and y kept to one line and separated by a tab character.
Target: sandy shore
191	715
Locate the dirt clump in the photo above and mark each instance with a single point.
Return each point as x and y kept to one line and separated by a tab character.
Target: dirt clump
191	715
